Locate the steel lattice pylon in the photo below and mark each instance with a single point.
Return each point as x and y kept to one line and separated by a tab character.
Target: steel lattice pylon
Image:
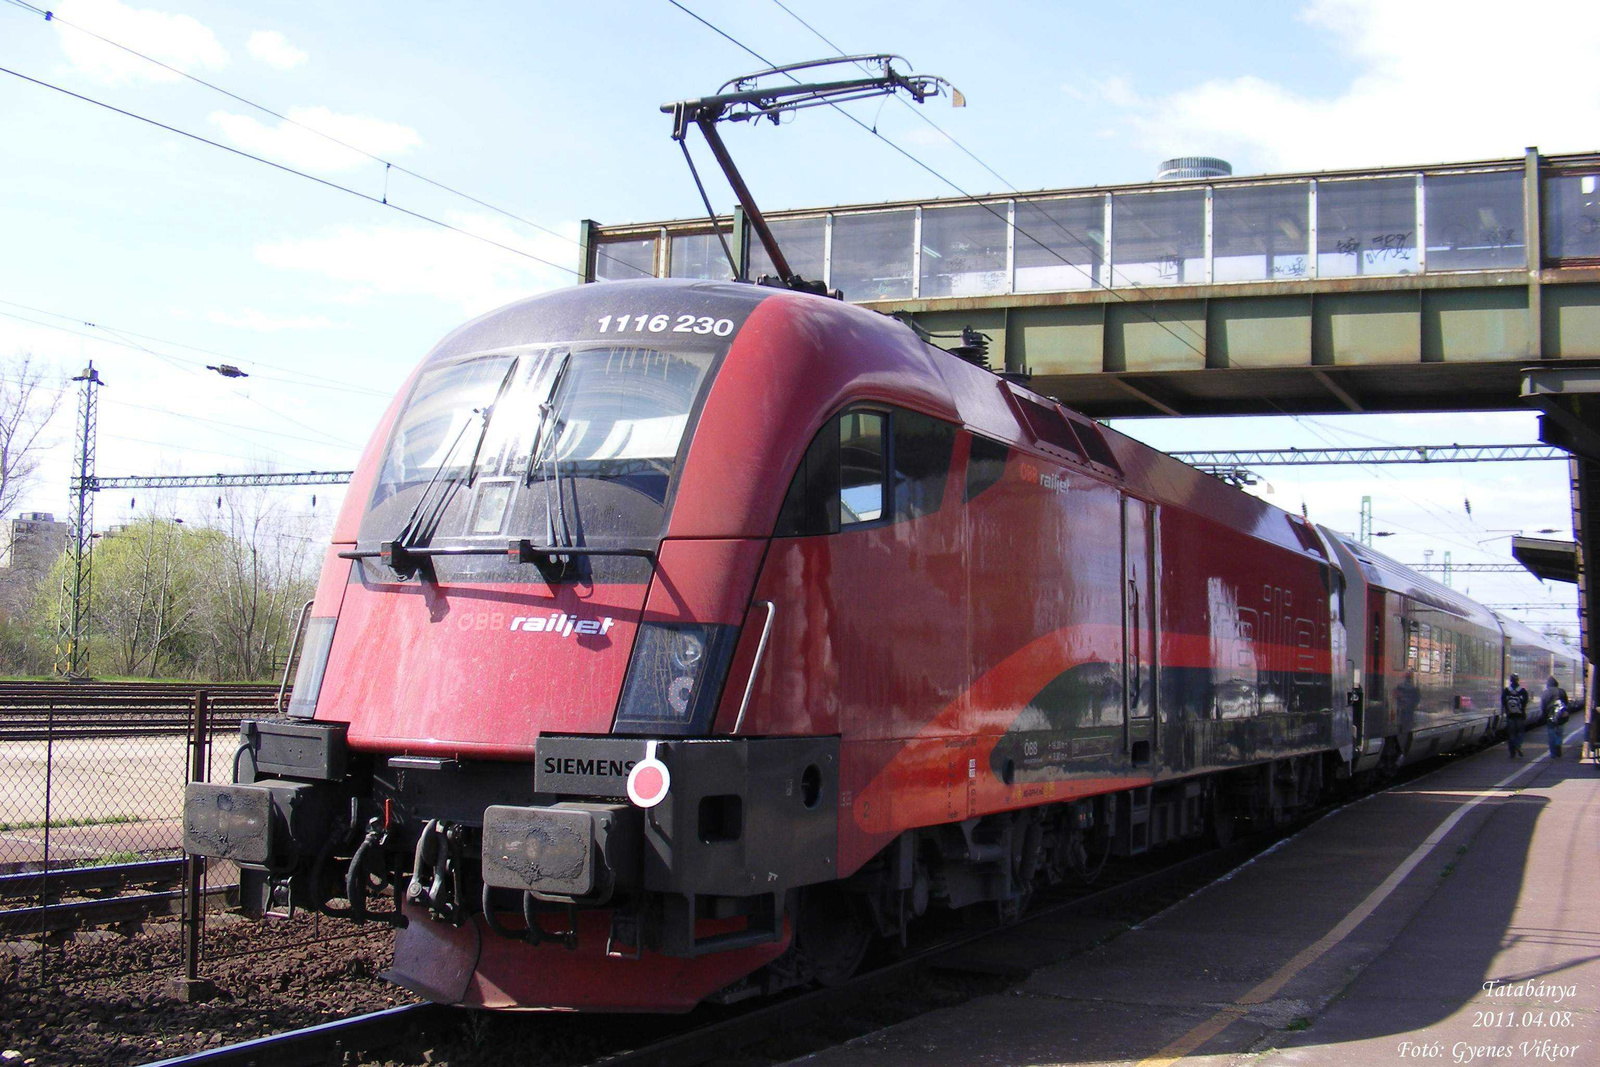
72	625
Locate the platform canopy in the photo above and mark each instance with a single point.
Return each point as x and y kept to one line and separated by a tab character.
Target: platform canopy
1547	560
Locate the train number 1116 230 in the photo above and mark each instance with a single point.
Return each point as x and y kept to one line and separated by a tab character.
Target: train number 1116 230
664	323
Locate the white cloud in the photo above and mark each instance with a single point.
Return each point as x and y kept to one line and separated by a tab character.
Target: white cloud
1427	83
252	319
177	40
302	148
274	49
926	137
411	260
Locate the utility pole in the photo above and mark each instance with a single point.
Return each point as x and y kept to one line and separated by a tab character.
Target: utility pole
72	629
1447	568
1365	537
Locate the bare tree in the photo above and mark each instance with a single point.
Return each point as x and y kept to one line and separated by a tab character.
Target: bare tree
262	572
28	400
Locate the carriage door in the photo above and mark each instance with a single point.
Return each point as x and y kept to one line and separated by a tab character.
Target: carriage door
1138	627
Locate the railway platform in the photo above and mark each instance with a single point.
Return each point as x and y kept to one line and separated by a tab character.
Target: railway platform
1448	920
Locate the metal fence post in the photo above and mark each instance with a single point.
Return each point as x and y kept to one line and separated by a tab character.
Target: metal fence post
191	987
44	874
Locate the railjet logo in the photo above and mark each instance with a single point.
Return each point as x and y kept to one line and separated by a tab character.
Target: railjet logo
562	624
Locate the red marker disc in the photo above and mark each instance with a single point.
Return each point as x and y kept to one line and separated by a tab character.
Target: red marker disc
649	780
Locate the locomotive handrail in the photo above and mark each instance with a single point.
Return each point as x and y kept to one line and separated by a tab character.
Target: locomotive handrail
755	665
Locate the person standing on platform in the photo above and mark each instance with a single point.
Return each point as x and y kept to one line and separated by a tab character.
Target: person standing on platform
1553	702
1514	702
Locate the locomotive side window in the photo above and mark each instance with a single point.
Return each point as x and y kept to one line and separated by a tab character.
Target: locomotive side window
986	464
922	447
866	466
811	506
861	467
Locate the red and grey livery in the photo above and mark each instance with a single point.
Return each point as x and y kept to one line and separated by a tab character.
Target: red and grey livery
679	638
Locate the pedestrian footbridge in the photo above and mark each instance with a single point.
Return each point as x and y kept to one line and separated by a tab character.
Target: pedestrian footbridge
1391	289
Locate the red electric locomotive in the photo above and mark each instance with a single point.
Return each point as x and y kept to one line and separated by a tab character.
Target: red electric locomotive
677	638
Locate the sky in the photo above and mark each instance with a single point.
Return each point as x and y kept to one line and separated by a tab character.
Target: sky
182	254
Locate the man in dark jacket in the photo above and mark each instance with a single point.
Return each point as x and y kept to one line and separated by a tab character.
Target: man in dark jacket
1553	702
1514	702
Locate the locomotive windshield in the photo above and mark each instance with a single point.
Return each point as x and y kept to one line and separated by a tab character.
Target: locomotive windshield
563	443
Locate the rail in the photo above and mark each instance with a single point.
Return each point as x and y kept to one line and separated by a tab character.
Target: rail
324	1043
35	711
159	878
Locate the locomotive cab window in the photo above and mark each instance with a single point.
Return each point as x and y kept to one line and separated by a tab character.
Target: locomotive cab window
583	440
867	466
861	467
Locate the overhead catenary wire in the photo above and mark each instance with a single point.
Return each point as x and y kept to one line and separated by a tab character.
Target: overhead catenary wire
328	437
325	439
51	16
277	455
312	381
914	109
114	402
970	197
285	168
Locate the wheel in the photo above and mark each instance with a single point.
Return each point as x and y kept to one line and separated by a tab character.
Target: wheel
1222	825
832	934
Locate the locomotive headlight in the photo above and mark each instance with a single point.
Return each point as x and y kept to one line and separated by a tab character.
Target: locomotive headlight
675	678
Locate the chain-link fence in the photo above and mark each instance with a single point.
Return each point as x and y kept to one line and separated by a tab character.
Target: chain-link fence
91	799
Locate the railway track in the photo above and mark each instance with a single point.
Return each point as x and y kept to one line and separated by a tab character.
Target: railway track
325	1043
700	1040
74	897
38	711
711	1033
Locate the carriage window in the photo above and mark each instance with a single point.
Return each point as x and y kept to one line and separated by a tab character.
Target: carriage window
860	467
922	447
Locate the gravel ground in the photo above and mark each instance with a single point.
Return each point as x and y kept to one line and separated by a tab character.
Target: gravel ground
270	977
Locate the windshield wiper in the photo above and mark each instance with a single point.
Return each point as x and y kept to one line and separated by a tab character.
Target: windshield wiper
549	433
397	553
